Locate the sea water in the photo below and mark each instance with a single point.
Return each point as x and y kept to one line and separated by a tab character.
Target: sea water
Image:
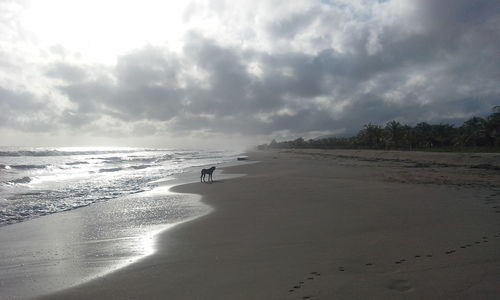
106	207
40	181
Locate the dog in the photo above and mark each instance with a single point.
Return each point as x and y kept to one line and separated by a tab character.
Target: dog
204	172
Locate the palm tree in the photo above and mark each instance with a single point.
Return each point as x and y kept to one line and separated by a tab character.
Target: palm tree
474	132
371	136
395	134
493	127
423	135
443	135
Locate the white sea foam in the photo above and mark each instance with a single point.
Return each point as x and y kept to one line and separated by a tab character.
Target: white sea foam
40	181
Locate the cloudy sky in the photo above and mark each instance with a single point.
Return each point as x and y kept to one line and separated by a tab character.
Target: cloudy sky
177	73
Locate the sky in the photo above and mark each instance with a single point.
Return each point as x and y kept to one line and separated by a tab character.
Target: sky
236	73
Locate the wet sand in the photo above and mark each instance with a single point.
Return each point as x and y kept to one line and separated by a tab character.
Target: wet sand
54	252
329	225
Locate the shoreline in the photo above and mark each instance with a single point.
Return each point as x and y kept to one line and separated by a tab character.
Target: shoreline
59	251
302	225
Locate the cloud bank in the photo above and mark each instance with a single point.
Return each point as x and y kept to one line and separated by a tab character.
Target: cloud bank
264	69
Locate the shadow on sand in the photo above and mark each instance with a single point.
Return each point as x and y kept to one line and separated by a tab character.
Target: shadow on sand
215	181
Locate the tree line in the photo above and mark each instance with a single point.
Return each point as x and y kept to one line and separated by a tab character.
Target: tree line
475	133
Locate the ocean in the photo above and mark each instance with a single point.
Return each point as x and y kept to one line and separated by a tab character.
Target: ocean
103	209
41	181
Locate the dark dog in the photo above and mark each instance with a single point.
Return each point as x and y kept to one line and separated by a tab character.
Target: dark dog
204	172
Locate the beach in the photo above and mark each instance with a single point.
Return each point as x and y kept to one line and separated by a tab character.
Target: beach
328	224
85	212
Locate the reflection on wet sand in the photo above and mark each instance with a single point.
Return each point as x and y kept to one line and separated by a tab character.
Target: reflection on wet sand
62	250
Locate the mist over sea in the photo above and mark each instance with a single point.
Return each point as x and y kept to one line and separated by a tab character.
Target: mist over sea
40	181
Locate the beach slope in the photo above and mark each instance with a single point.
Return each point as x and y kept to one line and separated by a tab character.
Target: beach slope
316	224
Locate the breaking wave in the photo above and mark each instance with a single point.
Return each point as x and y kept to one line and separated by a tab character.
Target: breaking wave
110	170
40	181
77	163
25	179
41	153
26	167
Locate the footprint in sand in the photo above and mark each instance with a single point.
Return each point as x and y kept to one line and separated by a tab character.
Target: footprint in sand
400	261
301	283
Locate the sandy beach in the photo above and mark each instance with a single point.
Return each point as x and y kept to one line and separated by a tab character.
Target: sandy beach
338	224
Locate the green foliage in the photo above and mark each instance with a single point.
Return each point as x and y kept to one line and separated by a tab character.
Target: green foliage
493	127
475	135
371	136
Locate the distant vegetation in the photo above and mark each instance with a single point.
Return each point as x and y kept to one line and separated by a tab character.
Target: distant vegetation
476	134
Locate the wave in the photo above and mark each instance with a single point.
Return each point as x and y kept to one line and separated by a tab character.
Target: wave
129	159
187	153
26	167
140	167
141	159
109	170
164	158
29	197
64	153
77	163
112	158
25	179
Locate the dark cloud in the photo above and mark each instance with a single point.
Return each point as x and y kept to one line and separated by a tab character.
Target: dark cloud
437	65
17	101
291	25
66	72
89	96
148	67
25	111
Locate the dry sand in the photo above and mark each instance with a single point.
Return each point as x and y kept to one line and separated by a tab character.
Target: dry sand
330	225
